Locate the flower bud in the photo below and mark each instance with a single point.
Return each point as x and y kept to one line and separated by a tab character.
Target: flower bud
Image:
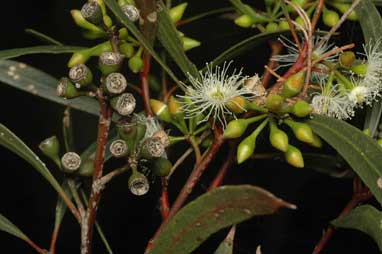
126	49
237	104
235	128
107	21
189	43
136	63
50	147
138	184
118	148
301	130
271	27
70	162
301	108
274	102
79	57
161	166
92	12
174	106
317	142
347	59
278	138
86	168
124	104
83	23
115	83
294	157
110	62
163	137
360	69
244	21
342	7
123	34
329	17
152	148
67	89
293	84
161	110
131	12
284	25
176	12
81	75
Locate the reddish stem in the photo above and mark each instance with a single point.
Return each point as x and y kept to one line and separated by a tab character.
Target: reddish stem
165	205
35	246
276	48
145	83
191	182
224	168
53	241
317	15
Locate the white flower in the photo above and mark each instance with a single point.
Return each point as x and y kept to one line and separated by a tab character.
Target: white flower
210	95
361	93
332	103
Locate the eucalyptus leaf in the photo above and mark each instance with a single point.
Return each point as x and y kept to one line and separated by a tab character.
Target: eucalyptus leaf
10	141
36	82
226	246
48	49
371	24
215	210
61	207
43	37
366	219
361	152
113	6
169	38
205	15
7	226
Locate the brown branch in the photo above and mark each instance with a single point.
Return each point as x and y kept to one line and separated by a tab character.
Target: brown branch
145	84
191	181
35	246
165	204
317	15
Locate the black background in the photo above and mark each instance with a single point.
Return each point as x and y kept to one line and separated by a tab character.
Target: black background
129	221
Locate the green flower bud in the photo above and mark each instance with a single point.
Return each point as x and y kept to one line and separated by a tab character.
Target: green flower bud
294	157
152	148
379	142
91	35
136	63
247	147
342	7
347	59
299	21
360	69
67	89
329	17
86	168
131	12
278	138
50	147
138	184
274	102
301	108
124	104
271	27
107	21
317	142
161	110
161	166
115	83
174	106
189	43
110	62
118	148
283	25
83	23
244	21
123	34
81	75
293	84
237	127
92	12
70	162
301	130
126	49
176	12
79	57
237	104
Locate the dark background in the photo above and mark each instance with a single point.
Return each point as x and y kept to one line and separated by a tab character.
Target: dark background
129	221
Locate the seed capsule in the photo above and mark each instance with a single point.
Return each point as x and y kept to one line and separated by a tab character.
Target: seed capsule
124	104
110	62
51	148
71	162
115	83
161	166
138	184
92	12
66	89
294	157
118	148
152	147
81	75
131	12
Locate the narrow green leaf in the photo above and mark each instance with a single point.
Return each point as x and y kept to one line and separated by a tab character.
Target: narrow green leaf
10	141
61	207
113	6
215	210
7	226
43	37
36	82
366	219
169	38
205	15
49	49
376	2
226	246
371	24
361	152
247	10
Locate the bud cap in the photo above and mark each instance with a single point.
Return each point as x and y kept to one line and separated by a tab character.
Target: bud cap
71	161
